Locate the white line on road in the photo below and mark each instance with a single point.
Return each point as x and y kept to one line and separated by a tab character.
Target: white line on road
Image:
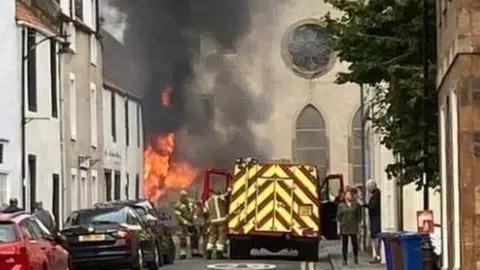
307	266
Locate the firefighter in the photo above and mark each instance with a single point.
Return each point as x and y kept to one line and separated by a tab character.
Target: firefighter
186	213
216	210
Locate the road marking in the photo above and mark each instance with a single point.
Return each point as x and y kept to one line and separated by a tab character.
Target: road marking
307	266
241	266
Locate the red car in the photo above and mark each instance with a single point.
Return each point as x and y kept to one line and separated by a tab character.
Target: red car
25	244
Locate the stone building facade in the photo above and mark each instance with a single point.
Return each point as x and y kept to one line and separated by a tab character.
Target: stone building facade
82	126
458	82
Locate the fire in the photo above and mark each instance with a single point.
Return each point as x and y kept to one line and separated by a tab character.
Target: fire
161	173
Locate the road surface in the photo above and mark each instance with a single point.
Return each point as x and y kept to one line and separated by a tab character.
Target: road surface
260	260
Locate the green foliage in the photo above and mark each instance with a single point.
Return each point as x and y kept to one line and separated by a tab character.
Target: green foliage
382	41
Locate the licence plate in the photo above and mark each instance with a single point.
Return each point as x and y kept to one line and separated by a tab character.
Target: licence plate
91	237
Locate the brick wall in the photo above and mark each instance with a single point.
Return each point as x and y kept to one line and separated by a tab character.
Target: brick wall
29	11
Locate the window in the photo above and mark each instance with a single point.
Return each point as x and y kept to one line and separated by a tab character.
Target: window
1	153
108	185
53	77
357	150
3	187
28	231
94	7
79	9
31	52
93	115
113	116
32	174
36	229
56	197
72	36
97	215
137	187
127	123
74	190
127	185
311	144
93	49
117	186
138	124
94	186
83	192
8	232
73	107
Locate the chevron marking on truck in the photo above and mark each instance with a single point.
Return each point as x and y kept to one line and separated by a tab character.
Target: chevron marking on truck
267	197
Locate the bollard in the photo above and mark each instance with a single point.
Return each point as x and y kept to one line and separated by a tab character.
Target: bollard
428	255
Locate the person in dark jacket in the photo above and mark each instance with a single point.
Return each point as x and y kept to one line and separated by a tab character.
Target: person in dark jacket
45	217
12	207
374	213
349	216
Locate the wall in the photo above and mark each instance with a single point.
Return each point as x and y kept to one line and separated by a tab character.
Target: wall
117	156
258	58
10	105
43	130
86	74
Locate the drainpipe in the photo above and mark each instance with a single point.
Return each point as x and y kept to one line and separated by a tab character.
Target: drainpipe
22	121
62	140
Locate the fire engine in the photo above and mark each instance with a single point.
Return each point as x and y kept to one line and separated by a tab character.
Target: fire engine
277	206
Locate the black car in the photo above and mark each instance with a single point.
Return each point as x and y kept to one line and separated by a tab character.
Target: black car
110	237
148	213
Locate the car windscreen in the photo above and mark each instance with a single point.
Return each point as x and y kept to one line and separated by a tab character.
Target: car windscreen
8	232
97	216
140	211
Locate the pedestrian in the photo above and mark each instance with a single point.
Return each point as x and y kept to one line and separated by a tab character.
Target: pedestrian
349	216
216	210
12	207
374	214
45	217
186	213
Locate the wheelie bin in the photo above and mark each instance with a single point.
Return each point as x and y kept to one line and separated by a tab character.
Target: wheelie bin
411	244
393	250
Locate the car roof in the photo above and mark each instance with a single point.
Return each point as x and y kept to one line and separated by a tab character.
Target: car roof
96	209
14	217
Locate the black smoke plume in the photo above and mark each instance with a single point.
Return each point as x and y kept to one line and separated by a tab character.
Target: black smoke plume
166	37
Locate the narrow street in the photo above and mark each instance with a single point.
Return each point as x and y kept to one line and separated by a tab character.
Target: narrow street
260	260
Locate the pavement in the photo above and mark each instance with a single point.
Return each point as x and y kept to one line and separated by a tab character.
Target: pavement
334	249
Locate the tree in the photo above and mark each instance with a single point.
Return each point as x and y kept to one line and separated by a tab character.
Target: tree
382	41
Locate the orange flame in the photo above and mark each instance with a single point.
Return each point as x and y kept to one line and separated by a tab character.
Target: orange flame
160	171
165	96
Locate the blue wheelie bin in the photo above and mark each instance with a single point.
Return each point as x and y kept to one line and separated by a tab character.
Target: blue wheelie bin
412	250
393	250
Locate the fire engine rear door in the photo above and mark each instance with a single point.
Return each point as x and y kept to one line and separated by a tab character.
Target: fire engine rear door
264	204
283	210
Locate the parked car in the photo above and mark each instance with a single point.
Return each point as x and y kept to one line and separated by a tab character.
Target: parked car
110	237
149	214
26	244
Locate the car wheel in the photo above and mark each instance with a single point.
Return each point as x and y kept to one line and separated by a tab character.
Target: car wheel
138	263
155	264
170	253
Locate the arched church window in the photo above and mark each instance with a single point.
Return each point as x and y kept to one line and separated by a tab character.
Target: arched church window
311	145
356	149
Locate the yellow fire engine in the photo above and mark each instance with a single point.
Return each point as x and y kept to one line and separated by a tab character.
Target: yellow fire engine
277	206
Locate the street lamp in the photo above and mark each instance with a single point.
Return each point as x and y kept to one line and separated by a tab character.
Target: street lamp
65	48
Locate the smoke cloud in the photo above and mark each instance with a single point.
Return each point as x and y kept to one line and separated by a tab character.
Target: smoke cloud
214	119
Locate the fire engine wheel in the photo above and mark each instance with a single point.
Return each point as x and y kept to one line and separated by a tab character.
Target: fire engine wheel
309	251
239	249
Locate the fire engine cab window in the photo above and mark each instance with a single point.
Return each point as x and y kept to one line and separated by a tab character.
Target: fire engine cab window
311	140
8	233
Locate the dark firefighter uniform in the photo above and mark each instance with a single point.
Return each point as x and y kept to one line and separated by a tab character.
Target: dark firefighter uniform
216	211
185	212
